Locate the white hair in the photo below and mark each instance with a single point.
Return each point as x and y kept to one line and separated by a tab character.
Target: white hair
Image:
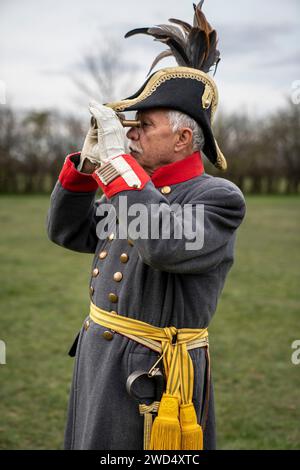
178	120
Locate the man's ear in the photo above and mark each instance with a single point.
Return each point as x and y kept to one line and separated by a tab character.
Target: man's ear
184	139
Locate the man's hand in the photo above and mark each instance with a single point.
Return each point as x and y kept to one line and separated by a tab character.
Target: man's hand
90	152
112	147
103	141
111	134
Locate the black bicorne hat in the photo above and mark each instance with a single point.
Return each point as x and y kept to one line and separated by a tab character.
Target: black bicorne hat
187	88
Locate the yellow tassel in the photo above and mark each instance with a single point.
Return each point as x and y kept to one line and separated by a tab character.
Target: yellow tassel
191	431
166	433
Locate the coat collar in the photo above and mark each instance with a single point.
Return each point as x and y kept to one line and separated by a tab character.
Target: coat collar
178	172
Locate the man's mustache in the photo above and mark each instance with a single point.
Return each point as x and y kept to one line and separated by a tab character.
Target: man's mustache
135	148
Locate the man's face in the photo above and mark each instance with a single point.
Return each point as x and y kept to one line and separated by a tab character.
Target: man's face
153	144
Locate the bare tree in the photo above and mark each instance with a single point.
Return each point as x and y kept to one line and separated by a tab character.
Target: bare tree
8	138
104	74
284	143
237	136
262	156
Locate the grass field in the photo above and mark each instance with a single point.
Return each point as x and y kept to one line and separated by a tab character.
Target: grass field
44	298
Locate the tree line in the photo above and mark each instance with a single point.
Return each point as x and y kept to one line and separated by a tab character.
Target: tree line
263	155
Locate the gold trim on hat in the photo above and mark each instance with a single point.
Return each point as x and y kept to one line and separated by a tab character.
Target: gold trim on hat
161	76
207	97
221	163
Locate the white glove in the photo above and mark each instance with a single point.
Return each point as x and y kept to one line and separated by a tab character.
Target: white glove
90	148
111	133
111	146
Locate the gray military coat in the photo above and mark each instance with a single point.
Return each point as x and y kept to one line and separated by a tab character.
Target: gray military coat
157	281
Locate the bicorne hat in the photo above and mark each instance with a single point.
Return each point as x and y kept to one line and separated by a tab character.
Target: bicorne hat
188	87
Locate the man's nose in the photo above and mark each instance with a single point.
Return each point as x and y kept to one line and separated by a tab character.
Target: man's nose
133	134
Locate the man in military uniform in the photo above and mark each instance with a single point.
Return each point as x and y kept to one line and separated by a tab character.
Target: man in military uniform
152	298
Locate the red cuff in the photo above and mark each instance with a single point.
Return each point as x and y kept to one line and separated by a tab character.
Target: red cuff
73	180
119	184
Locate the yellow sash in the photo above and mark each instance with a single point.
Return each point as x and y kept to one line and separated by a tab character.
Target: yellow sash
176	425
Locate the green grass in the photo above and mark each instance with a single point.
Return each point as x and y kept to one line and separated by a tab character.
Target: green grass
44	298
257	386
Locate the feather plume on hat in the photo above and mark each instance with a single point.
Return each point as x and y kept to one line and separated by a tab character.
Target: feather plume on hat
192	46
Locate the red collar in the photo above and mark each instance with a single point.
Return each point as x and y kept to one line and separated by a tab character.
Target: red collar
180	171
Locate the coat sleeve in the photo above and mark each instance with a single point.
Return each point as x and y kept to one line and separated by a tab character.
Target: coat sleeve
72	219
223	209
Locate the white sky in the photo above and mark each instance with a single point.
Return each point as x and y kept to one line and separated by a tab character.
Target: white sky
42	44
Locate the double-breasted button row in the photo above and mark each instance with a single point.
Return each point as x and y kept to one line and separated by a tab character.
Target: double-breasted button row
124	258
118	276
102	255
113	297
166	190
108	335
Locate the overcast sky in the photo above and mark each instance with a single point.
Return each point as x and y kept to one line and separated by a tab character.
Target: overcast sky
42	44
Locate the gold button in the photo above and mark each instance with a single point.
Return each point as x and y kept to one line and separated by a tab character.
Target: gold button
108	335
86	325
113	312
166	190
95	272
103	254
130	242
113	297
124	258
91	290
111	236
118	276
